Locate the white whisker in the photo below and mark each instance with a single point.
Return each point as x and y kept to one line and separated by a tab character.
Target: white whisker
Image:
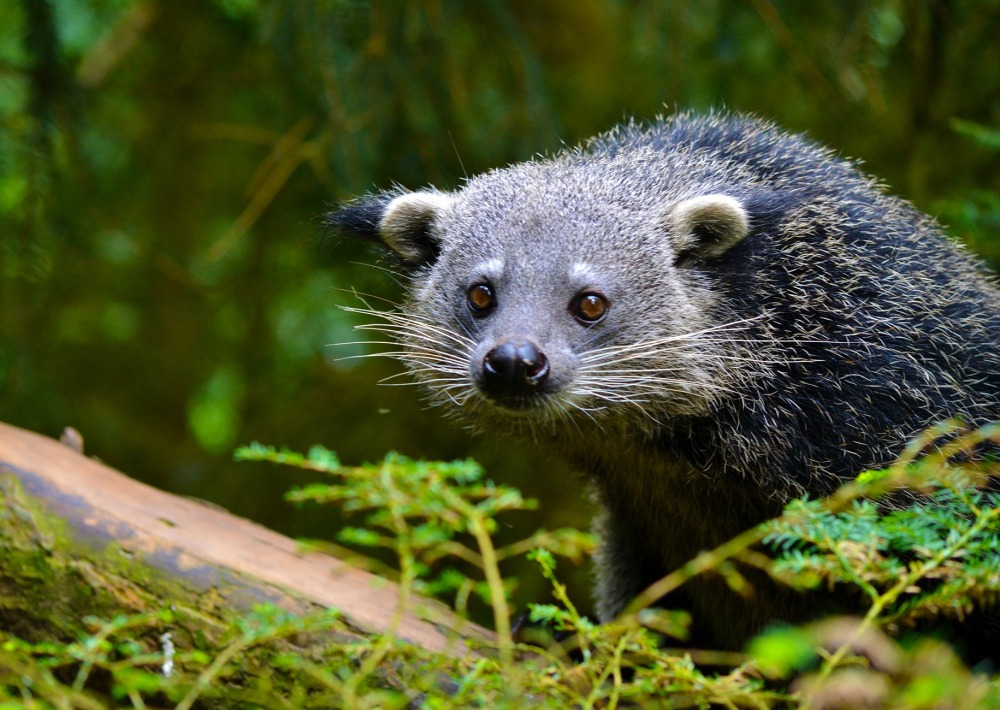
676	372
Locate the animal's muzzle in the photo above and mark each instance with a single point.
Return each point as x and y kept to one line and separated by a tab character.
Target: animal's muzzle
513	371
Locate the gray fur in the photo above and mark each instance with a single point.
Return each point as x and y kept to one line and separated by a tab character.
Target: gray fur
776	324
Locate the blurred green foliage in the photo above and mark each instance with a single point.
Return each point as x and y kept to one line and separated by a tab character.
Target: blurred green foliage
163	164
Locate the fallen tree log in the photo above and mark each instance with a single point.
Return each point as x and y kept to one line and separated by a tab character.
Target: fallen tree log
78	538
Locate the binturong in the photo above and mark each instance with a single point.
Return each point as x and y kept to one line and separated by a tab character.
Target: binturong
706	315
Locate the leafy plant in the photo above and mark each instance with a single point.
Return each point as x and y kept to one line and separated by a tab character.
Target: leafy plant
915	542
420	510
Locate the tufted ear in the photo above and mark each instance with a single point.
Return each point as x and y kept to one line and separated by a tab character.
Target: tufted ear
706	227
402	222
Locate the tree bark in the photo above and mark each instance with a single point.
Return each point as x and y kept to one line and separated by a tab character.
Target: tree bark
80	538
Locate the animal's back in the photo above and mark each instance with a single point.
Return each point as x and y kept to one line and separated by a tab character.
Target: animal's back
890	325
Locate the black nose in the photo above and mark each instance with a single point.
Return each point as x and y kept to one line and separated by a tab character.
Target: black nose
512	369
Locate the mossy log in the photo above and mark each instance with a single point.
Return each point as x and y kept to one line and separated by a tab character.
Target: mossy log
79	538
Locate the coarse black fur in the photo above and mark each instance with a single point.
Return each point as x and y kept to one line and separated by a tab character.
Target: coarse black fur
706	315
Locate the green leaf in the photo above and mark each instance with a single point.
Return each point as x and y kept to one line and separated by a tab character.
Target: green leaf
781	651
983	135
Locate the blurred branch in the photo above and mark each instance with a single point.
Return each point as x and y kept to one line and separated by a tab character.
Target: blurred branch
116	44
272	174
800	58
933	27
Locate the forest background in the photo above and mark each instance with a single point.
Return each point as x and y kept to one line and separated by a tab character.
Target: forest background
164	164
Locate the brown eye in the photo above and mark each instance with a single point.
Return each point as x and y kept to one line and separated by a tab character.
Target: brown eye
589	307
480	299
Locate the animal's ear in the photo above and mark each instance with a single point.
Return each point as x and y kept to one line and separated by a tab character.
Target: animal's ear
706	227
404	223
